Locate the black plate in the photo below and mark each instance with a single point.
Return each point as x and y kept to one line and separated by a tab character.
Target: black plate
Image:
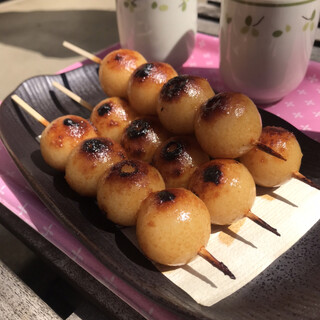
288	289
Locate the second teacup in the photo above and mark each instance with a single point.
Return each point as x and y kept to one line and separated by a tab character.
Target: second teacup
265	45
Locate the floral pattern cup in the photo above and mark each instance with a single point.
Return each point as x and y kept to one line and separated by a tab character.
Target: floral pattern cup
162	30
265	45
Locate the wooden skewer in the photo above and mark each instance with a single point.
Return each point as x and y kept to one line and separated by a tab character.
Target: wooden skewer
72	95
269	150
81	52
205	254
30	110
304	179
261	223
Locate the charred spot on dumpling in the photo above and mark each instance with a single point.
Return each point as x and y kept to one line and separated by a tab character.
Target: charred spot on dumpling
172	150
174	88
118	57
213	174
275	136
138	128
105	109
216	105
144	71
96	145
165	196
70	123
127	168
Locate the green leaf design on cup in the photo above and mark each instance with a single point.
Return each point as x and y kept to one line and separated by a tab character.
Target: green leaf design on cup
245	29
305	27
311	25
163	7
309	22
250	25
248	21
277	33
288	28
184	5
130	4
255	32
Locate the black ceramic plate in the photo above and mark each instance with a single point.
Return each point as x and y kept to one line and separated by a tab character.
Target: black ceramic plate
288	289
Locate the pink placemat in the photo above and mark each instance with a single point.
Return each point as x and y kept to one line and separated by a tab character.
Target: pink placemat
301	108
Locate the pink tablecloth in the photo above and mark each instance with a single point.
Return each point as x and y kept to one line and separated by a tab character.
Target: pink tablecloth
301	108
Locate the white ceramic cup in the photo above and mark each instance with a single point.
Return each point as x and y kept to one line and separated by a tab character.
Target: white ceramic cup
265	45
162	30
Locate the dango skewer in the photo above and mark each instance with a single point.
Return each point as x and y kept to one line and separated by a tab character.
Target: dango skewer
229	125
60	136
81	52
173	227
115	68
36	115
228	189
72	95
110	116
270	172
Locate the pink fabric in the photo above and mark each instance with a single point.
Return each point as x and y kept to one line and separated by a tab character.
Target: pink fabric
301	108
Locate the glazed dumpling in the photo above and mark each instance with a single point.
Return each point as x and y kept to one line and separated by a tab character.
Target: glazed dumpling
124	186
145	84
88	160
115	70
227	125
142	137
179	100
111	116
172	226
269	171
226	187
60	137
177	158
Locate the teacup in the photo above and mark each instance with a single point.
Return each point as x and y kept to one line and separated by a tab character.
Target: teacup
162	30
265	45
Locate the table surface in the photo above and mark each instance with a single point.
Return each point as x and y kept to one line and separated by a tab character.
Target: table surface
111	305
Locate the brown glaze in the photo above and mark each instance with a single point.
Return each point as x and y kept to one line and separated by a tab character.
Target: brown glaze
60	137
145	84
116	69
179	100
276	138
223	104
122	189
111	116
100	149
227	125
156	72
142	137
129	170
269	171
226	187
172	226
178	86
165	196
177	158
87	162
213	174
122	59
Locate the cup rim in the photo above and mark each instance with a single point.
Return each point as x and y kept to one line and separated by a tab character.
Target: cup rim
274	3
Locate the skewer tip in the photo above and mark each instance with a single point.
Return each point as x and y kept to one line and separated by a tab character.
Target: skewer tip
304	179
262	223
205	254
